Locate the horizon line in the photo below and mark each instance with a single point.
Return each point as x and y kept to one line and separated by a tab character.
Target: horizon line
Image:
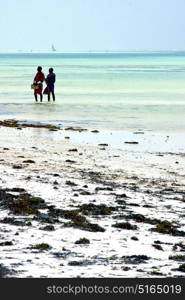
88	51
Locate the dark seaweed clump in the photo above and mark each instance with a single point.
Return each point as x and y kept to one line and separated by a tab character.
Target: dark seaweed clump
21	204
42	246
17	124
182	268
77	221
92	209
4	271
166	227
125	225
135	259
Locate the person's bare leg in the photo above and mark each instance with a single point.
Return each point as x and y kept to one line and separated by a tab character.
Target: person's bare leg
35	97
53	95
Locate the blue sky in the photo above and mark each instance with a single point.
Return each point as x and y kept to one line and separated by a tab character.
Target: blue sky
83	25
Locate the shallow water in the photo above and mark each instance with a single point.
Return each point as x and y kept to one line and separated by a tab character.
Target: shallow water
114	91
117	91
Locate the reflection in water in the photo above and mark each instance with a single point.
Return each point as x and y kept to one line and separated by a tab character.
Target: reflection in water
44	110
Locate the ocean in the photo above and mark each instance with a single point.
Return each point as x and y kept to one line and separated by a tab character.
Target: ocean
108	91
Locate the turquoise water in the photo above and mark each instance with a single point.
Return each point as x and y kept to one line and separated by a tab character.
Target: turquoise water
114	91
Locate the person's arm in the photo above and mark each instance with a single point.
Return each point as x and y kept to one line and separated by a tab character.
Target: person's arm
46	79
42	77
35	79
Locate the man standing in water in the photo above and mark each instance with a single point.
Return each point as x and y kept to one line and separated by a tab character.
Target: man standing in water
50	80
38	80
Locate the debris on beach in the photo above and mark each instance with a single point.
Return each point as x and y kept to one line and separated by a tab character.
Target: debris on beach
132	143
105	145
76	129
20	125
138	132
82	241
95	131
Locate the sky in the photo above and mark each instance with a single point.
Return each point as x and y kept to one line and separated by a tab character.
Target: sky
92	25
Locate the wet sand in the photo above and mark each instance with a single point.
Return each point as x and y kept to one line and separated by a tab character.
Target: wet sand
91	204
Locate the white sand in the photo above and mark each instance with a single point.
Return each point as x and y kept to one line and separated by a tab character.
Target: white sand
155	164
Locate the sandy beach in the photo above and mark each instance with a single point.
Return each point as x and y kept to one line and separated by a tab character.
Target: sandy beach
85	203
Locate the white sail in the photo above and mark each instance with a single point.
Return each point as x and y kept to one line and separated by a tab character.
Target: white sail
53	48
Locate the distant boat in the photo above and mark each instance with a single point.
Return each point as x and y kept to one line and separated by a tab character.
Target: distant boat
53	48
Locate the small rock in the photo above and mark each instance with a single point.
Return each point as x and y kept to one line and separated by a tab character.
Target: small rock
85	193
68	182
70	161
29	161
132	143
125	225
182	268
75	263
125	268
138	132
121	196
80	263
42	246
18	190
134	238
121	202
95	131
106	188
155	273
75	129
53	129
158	247
83	241
135	259
17	167
103	145
7	243
48	228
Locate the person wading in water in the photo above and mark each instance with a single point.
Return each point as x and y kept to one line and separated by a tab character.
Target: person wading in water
38	80
50	80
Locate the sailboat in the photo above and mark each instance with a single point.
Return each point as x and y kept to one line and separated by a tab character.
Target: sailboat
53	48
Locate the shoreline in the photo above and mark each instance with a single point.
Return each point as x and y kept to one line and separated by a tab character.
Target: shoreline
144	141
135	196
